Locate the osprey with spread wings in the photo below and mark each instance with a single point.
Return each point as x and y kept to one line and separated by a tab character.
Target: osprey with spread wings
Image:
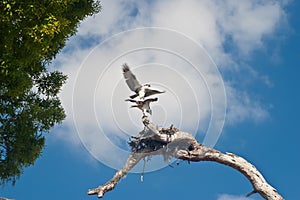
144	106
141	91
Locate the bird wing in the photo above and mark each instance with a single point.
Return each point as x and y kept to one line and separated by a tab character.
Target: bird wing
153	99
133	96
149	92
130	78
134	106
150	100
131	100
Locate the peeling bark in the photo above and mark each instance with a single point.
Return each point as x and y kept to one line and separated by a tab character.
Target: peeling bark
181	145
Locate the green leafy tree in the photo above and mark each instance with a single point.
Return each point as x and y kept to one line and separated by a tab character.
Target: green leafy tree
32	32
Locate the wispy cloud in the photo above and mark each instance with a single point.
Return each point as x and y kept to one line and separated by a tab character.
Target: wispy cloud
248	22
241	106
229	31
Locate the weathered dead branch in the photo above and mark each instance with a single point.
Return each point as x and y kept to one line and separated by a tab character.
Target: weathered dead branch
181	145
132	160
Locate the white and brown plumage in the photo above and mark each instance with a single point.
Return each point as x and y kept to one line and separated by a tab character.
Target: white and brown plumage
143	105
141	91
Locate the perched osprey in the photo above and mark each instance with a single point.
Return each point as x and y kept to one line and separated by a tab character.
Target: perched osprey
143	105
141	91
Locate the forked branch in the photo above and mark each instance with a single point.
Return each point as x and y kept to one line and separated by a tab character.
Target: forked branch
181	145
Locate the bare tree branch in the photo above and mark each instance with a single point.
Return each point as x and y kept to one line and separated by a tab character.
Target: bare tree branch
258	182
132	160
181	145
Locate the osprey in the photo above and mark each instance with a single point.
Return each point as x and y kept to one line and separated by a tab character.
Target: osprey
143	105
141	91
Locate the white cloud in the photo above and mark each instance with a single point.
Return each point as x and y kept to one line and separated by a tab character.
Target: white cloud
98	88
95	90
233	197
242	107
247	22
107	21
194	18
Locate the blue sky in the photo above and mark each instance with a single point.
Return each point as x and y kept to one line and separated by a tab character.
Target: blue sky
255	45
